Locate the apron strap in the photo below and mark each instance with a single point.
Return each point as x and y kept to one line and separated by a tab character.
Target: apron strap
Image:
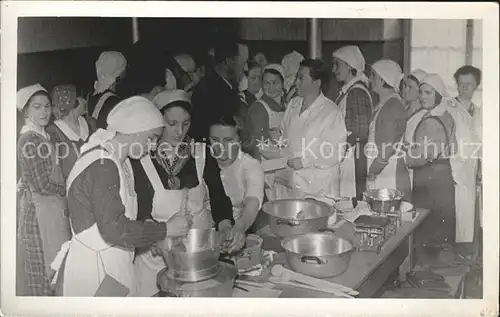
152	173
83	162
200	150
100	104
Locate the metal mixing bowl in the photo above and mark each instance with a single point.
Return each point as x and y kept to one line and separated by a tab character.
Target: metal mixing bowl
384	200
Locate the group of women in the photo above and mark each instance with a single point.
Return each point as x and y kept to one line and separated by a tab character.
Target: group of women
106	181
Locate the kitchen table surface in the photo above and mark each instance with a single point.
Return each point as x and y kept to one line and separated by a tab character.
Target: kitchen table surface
367	271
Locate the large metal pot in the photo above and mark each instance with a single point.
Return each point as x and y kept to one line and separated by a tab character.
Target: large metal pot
194	257
288	217
219	286
384	200
319	254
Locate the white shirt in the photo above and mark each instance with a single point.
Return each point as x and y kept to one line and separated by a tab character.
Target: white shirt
244	178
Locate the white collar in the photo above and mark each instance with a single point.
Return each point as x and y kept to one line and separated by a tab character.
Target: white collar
30	126
70	133
317	101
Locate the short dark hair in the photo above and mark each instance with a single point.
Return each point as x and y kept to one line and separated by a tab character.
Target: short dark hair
466	70
317	69
224	50
38	93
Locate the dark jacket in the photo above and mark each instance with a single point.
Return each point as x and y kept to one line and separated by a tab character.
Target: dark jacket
214	99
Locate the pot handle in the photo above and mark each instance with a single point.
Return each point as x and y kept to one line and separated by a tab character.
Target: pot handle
287	222
308	258
326	230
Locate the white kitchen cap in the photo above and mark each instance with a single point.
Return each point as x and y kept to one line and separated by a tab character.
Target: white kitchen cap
352	55
419	74
390	72
24	94
436	82
276	67
168	96
133	115
108	67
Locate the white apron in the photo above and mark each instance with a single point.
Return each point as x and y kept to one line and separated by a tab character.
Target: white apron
347	167
464	170
100	103
386	178
166	203
275	118
411	125
89	257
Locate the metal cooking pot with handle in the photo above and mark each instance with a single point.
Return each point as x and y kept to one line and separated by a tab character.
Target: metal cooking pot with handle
384	200
318	254
194	257
289	217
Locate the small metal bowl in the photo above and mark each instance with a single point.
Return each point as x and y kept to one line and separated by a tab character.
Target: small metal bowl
384	200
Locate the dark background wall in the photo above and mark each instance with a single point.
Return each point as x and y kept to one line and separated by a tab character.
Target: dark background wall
64	50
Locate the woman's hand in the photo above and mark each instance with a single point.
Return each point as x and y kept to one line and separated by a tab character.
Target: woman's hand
178	225
295	163
232	237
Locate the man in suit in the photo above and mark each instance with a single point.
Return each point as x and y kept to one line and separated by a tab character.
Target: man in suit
217	95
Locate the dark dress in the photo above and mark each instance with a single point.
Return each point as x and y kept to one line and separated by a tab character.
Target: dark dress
108	105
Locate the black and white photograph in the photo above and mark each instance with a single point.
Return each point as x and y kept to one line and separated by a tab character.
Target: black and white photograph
167	150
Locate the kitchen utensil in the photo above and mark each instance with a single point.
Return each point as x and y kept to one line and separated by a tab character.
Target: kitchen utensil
195	257
251	255
278	280
219	286
319	254
283	213
285	274
384	200
273	165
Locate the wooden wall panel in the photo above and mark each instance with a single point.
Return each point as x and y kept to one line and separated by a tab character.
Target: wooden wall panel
273	29
37	34
352	29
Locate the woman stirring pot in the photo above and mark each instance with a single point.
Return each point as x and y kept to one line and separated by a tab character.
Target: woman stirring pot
98	261
174	181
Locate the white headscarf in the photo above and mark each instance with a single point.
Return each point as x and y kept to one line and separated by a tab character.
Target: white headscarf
291	63
167	97
390	72
133	115
276	67
171	81
24	94
352	55
108	67
419	74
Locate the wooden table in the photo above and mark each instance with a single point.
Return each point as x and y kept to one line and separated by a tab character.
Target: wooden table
367	271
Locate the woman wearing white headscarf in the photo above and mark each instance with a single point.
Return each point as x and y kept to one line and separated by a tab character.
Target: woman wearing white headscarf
386	165
102	202
291	63
110	68
433	143
44	225
179	177
409	91
355	101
